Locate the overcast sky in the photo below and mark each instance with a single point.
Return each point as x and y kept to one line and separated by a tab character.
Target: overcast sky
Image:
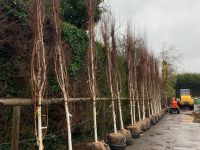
173	22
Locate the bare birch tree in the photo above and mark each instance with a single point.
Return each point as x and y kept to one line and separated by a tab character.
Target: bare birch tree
105	29
60	65
116	72
158	87
150	83
131	65
142	71
91	7
38	68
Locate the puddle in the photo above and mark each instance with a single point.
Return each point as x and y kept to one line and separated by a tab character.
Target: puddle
159	145
159	133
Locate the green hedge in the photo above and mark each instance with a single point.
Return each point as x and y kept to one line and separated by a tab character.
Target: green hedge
77	40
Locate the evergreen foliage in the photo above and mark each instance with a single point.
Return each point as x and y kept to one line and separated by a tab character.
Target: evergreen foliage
74	12
77	40
189	81
14	9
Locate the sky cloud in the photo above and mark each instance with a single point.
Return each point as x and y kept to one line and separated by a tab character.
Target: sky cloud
175	22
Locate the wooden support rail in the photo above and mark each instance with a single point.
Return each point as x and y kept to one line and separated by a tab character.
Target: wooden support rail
28	101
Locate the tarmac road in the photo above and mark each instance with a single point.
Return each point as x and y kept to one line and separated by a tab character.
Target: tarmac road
173	132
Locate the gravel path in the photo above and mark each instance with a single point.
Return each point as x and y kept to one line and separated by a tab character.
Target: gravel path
173	132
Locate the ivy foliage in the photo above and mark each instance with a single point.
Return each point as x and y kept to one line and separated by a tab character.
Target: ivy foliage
7	67
14	9
77	40
74	12
55	88
102	82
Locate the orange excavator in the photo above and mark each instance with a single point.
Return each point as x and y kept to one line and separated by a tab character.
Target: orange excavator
174	106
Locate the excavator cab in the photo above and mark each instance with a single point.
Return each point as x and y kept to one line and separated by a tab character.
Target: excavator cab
185	98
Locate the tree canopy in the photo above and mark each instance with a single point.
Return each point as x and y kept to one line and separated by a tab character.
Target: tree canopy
74	12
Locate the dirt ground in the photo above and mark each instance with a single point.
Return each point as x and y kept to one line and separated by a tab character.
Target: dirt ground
173	132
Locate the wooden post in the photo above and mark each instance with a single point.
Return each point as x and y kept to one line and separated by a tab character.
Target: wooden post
103	114
15	127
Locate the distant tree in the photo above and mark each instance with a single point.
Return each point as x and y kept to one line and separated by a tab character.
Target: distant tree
189	81
171	59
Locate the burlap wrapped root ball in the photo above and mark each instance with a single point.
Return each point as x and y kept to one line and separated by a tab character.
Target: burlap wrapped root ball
148	122
127	134
163	111
156	117
159	115
135	130
100	145
153	120
116	138
140	125
143	125
116	141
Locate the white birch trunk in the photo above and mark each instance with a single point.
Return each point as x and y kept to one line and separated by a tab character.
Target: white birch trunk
68	124
93	85
134	116
38	69
61	70
149	109
131	111
91	68
152	111
120	107
39	118
138	106
143	103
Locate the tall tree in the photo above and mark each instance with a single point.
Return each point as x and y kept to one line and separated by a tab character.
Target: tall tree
60	65
105	29
131	65
116	72
38	67
142	73
91	7
171	59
